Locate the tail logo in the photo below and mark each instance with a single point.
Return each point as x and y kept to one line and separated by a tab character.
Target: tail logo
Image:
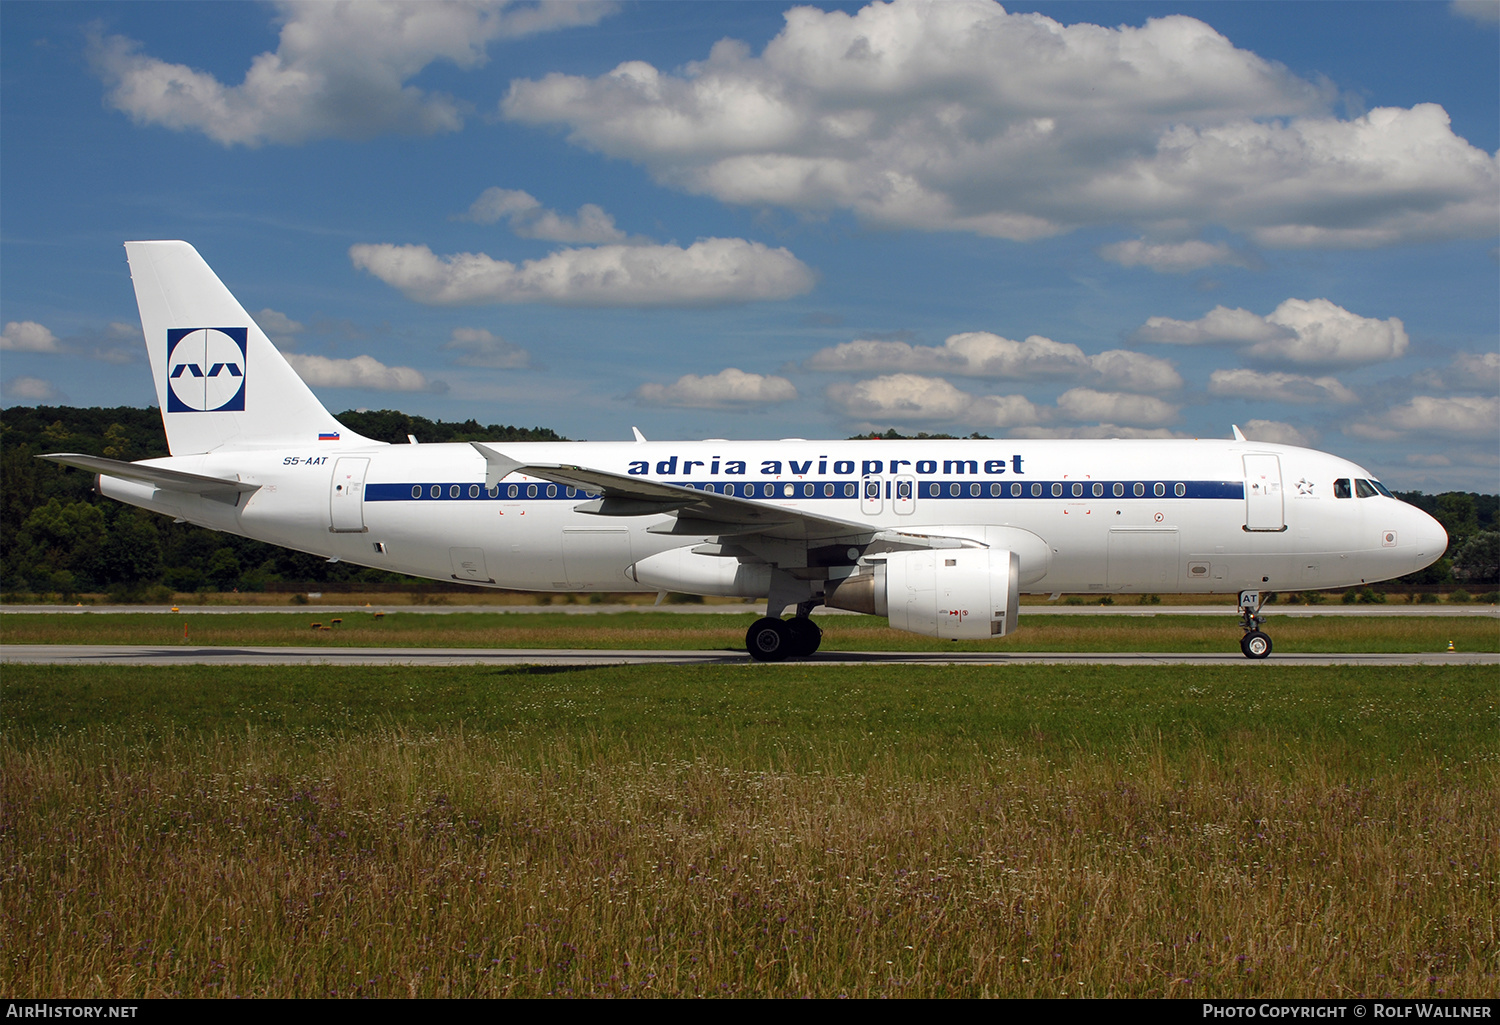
206	369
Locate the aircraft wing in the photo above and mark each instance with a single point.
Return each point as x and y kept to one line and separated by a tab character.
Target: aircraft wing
697	513
169	480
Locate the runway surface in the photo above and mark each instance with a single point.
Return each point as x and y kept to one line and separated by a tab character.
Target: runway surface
149	655
1228	611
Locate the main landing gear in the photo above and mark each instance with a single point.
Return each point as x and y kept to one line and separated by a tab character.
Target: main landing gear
1255	643
775	640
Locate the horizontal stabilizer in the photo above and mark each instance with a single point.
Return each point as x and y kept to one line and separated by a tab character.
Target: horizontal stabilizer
168	480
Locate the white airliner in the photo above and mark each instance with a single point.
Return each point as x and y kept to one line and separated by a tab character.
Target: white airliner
939	536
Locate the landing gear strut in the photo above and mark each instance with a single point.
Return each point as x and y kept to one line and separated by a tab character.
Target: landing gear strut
1255	643
775	640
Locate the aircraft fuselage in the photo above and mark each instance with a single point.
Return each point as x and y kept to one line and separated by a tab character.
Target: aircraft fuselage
1117	516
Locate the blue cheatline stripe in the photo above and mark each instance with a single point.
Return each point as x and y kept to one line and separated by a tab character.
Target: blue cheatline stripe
949	489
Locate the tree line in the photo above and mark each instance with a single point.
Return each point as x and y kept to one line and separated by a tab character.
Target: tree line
58	537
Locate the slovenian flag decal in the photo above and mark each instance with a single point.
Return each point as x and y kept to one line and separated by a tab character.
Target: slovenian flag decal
328	435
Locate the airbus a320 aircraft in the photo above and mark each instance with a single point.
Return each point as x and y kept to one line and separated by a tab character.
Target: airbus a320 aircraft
941	537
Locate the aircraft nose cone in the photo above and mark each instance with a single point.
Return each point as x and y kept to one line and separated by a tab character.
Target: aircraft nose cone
1432	541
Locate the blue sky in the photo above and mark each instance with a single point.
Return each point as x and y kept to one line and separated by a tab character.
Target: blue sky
754	220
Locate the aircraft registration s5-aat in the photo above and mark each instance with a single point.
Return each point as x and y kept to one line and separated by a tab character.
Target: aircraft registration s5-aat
939	536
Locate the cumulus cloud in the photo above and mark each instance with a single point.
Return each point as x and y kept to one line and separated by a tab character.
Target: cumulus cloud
339	70
479	348
28	336
1486	12
966	117
1277	433
278	327
118	343
1096	431
1115	407
973	353
1220	325
529	219
360	372
1464	416
1173	257
1468	371
728	389
1307	331
1135	371
31	389
1482	367
915	398
1323	333
910	397
1278	387
710	272
495	204
982	354
274	322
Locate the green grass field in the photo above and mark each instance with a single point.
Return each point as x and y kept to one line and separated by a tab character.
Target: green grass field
1037	632
749	830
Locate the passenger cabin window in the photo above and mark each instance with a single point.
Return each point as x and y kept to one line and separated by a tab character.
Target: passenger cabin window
1364	489
1341	488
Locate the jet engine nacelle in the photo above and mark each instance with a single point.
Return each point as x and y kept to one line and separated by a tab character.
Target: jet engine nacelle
969	593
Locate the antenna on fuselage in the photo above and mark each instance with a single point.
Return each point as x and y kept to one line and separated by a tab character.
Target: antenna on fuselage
1238	436
638	435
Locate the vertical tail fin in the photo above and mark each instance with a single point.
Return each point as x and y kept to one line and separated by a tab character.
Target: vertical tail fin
220	381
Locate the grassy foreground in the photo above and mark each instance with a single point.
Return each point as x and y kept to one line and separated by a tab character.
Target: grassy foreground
791	830
1037	632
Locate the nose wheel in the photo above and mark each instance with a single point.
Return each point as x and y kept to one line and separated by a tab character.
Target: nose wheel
1255	643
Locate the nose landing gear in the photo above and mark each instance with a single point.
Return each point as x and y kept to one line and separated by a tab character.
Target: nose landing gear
1255	643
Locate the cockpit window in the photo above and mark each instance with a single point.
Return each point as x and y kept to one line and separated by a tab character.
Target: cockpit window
1382	489
1364	489
1341	488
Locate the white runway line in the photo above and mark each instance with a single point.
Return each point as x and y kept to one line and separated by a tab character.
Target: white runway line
157	655
1027	611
